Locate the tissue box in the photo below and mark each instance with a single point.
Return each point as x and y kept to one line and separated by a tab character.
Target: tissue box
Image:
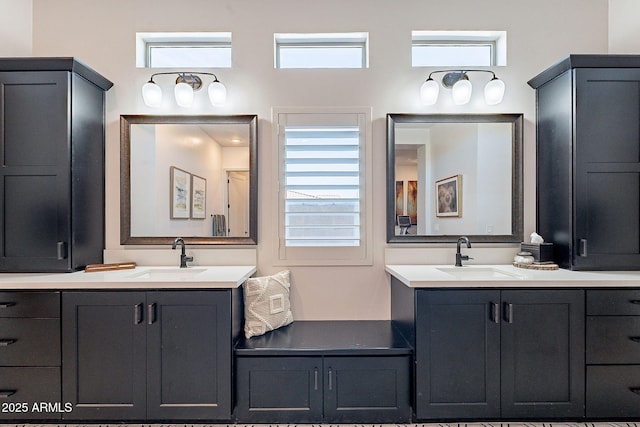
542	252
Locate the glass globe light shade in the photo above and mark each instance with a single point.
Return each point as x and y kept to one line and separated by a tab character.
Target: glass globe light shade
151	94
217	93
184	94
461	92
494	91
429	91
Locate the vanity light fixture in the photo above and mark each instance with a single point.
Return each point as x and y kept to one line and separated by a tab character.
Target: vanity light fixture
461	87
186	83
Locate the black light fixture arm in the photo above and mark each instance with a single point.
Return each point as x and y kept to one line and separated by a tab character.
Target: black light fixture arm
189	77
452	76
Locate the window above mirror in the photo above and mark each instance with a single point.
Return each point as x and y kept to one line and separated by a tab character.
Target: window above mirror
458	48
182	49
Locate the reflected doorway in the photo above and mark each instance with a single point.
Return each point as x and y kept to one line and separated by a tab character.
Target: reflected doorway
237	203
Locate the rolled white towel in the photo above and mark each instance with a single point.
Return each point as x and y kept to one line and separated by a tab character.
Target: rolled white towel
536	238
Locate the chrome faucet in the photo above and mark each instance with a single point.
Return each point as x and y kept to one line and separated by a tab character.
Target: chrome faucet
459	256
184	259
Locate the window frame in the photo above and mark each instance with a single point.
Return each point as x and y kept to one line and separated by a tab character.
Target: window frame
184	44
455	43
322	40
323	255
497	40
146	41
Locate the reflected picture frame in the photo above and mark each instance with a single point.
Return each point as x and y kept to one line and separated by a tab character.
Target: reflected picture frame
449	197
198	197
180	194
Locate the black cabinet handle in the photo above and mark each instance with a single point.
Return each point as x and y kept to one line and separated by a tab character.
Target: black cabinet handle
634	301
635	390
582	247
315	378
495	312
6	342
7	304
61	248
635	339
7	393
151	313
330	379
508	312
137	314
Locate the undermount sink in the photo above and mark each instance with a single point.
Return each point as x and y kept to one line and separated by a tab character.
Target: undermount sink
470	273
168	273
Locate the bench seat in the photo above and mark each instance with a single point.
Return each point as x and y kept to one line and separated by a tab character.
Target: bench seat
325	372
330	337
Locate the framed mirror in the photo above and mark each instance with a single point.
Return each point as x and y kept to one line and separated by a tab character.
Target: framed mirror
454	175
194	177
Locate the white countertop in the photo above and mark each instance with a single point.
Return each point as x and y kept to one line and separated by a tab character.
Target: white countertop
142	277
502	276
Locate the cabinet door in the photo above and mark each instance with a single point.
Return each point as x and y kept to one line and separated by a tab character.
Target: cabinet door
607	168
189	355
34	178
104	343
366	389
457	354
542	369
279	389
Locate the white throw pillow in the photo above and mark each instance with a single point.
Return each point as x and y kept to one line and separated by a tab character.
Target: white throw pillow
266	303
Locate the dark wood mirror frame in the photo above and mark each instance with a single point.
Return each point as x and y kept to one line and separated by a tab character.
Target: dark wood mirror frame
517	220
125	178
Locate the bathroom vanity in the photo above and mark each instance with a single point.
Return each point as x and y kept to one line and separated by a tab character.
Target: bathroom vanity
156	344
498	342
153	343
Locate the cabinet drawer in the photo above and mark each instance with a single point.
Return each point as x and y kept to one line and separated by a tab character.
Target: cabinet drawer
613	391
613	339
29	304
30	386
30	342
613	303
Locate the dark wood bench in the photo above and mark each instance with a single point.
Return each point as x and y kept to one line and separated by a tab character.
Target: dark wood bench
325	371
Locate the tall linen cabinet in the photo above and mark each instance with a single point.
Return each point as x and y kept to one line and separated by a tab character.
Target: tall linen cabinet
588	161
52	120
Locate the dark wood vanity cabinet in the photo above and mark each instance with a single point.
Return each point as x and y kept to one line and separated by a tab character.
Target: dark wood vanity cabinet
588	161
487	354
30	356
136	355
323	389
457	355
324	372
613	354
52	174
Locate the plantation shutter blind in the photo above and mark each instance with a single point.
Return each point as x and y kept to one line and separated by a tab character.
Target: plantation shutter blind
322	185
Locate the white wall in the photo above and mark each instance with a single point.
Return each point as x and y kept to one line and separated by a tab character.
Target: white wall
15	27
624	27
162	147
102	34
494	179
